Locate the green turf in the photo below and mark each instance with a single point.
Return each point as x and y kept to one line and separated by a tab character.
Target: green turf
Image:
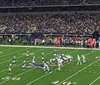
85	74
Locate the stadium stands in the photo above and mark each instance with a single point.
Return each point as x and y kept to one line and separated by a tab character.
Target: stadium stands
47	23
45	2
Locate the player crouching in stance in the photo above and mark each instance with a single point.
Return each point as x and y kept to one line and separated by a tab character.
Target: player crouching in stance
59	63
66	58
46	67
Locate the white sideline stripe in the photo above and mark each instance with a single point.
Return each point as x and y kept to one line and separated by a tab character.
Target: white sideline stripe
49	47
16	57
94	80
32	69
78	72
55	70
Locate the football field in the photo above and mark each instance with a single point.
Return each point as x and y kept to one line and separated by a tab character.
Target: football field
70	74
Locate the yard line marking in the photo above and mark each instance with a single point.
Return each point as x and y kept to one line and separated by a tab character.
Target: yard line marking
29	60
38	57
47	74
94	80
78	72
6	49
54	70
19	57
21	63
16	57
32	69
14	52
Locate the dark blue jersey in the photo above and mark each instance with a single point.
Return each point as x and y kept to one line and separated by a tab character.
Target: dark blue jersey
54	52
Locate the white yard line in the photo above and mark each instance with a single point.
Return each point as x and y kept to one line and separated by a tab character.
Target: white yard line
33	68
94	81
54	70
37	58
49	47
78	72
13	52
6	49
16	57
21	63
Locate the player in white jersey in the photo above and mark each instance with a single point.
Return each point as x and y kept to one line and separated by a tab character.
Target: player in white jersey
10	68
60	63
65	58
79	60
33	60
46	67
83	58
23	65
42	56
27	54
14	60
70	58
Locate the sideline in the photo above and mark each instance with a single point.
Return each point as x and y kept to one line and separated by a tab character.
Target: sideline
49	47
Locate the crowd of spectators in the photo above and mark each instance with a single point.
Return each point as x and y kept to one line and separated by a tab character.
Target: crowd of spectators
45	2
48	23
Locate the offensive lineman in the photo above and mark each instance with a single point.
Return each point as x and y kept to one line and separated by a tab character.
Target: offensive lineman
46	67
60	63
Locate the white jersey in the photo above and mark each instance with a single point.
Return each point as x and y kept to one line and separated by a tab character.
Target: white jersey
27	54
46	67
84	59
70	58
33	60
78	58
60	61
